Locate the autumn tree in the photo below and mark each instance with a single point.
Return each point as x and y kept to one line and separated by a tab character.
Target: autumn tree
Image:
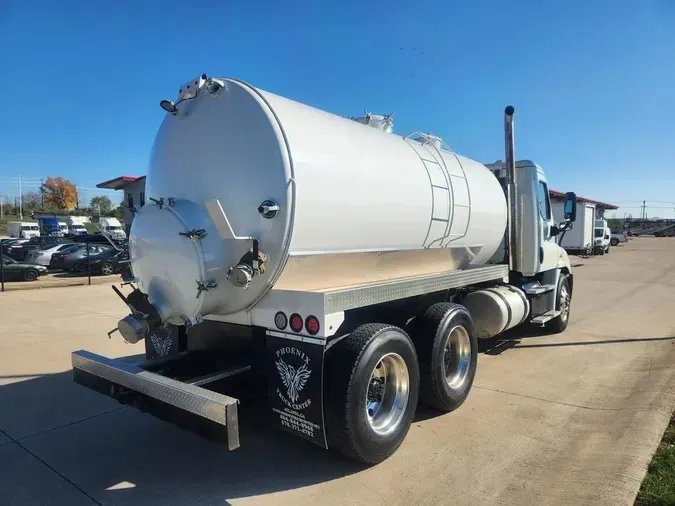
60	192
102	203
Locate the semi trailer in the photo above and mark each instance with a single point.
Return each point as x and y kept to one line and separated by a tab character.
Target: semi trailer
351	269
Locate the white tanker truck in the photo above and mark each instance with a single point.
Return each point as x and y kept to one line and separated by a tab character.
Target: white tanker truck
353	269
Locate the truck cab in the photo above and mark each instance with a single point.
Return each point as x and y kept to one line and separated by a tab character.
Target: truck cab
536	248
50	227
113	228
76	226
601	237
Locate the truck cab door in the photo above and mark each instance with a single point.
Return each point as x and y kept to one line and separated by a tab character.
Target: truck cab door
549	251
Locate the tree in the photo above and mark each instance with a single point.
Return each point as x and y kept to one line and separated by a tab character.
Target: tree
31	201
101	204
60	192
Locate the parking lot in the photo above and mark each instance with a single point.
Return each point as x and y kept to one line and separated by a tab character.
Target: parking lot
566	419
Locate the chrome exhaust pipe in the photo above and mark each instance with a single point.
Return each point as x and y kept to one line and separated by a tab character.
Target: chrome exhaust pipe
510	163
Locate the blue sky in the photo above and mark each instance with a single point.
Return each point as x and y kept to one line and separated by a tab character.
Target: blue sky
593	83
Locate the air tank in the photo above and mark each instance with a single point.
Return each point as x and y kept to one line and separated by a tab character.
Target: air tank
249	190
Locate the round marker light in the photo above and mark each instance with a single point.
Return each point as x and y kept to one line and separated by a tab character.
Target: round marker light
296	322
312	325
280	320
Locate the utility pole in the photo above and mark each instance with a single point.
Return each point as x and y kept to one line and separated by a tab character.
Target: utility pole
42	195
2	212
20	200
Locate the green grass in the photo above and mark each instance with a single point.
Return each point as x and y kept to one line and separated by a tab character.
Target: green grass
91	227
658	487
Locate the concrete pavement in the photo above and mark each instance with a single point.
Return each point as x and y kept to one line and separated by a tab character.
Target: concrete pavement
567	419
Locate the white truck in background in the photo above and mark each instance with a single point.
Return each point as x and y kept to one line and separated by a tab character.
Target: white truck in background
22	229
76	225
601	237
353	270
112	228
578	238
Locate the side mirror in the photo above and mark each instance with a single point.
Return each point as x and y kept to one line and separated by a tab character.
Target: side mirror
570	206
554	230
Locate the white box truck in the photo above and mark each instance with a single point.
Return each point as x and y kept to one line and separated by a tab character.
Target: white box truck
350	269
578	238
76	225
22	229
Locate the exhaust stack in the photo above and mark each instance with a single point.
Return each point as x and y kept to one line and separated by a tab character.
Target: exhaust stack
510	163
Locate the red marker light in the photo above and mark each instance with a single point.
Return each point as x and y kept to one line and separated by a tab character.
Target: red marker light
296	322
312	325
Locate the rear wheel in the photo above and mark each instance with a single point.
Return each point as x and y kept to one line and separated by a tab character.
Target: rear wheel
30	275
447	348
371	386
562	303
614	241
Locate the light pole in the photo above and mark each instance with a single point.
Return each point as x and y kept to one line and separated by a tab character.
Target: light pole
20	200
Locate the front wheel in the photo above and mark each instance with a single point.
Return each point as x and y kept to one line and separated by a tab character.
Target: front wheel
371	385
30	275
562	303
447	348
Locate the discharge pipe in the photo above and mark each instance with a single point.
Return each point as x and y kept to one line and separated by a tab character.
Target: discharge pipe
510	163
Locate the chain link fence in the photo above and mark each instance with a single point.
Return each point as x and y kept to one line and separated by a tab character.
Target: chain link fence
47	262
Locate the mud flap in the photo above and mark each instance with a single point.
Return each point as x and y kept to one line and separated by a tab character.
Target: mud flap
163	342
295	378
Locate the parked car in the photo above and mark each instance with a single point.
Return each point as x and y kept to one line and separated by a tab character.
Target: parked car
19	251
8	243
618	237
106	263
66	260
96	237
44	256
20	271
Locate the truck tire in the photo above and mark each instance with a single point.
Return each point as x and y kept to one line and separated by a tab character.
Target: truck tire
447	348
563	302
371	383
614	241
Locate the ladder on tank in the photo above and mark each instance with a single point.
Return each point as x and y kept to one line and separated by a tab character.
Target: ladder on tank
450	195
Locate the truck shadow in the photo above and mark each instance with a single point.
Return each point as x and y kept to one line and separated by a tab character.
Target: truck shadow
499	345
118	455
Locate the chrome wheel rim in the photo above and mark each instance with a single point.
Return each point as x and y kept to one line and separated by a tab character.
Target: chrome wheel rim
564	303
457	357
387	395
107	269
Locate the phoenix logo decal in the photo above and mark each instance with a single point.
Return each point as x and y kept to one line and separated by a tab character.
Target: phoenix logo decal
162	345
293	379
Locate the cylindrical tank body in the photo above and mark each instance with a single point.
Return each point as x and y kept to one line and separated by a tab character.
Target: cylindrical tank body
355	204
496	309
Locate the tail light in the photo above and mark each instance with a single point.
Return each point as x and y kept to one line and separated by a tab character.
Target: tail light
296	322
312	325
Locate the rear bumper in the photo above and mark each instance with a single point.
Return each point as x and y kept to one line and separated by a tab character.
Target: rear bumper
181	403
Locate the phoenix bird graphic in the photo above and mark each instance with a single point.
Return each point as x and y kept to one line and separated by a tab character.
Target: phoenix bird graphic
162	345
294	380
